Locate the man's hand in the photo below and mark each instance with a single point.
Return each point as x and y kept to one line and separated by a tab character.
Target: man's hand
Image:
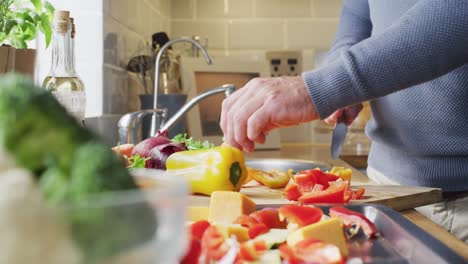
348	113
264	104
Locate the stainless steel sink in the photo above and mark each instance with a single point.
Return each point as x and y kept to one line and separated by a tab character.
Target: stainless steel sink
286	164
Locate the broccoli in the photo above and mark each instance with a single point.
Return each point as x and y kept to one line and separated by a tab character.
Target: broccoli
71	165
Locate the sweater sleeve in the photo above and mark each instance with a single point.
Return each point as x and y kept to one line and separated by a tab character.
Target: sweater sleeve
430	40
355	25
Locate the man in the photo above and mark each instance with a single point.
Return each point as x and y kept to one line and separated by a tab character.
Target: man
409	58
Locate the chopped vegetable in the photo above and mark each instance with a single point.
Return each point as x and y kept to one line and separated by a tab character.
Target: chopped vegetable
191	143
300	215
124	150
343	173
269	217
317	251
136	162
157	149
350	217
255	227
273	179
292	192
308	179
214	245
217	169
335	193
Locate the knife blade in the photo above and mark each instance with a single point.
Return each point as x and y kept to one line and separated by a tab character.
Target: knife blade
338	138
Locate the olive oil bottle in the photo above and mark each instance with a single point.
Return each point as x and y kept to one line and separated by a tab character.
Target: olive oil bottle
63	81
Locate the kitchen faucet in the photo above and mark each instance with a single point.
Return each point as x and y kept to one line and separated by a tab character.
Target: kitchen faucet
129	123
154	129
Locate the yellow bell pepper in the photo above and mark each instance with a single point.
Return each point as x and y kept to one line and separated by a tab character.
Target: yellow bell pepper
216	169
341	172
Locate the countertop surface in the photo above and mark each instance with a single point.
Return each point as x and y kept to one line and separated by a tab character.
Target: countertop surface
322	153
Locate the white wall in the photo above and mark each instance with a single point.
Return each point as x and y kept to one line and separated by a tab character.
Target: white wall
88	16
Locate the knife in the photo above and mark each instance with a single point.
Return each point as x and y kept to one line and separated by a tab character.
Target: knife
338	137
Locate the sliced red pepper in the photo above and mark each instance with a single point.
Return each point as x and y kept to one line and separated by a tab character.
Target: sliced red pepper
288	255
300	215
292	192
198	228
317	251
193	254
257	230
309	178
213	244
357	194
255	227
273	179
245	221
350	217
269	217
335	193
260	245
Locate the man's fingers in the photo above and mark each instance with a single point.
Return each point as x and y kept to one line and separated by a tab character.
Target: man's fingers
333	118
351	113
227	106
239	122
257	124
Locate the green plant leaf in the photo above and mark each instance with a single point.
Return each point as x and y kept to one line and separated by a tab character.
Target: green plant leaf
37	4
9	25
20	44
45	28
49	7
26	16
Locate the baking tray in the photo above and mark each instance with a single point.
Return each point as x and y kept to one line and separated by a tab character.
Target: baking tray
400	240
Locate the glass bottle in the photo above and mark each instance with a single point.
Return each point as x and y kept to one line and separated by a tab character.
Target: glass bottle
62	80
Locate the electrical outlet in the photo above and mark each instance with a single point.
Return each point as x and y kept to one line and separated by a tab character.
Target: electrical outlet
285	63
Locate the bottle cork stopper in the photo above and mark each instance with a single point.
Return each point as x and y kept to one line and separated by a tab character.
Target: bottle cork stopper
61	15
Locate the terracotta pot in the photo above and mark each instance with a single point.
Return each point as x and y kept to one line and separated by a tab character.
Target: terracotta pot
17	60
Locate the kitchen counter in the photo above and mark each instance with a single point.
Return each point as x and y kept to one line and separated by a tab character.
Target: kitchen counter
322	153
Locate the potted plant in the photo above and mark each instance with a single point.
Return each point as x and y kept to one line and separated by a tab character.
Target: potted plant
19	22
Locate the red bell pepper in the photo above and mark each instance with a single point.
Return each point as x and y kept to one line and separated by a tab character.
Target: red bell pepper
255	227
198	228
350	217
193	254
287	254
269	217
309	178
196	231
292	192
335	193
311	251
317	251
251	251
300	215
213	244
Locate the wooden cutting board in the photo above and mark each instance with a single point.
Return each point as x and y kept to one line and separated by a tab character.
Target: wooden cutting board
396	197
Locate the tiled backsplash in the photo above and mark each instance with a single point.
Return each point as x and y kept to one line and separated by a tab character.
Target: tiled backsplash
134	22
245	25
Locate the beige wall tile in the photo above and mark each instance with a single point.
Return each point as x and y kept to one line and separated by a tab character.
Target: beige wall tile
213	30
327	8
311	33
210	9
182	9
282	8
240	8
218	8
256	35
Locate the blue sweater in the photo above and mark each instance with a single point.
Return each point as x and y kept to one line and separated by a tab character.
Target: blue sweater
410	58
